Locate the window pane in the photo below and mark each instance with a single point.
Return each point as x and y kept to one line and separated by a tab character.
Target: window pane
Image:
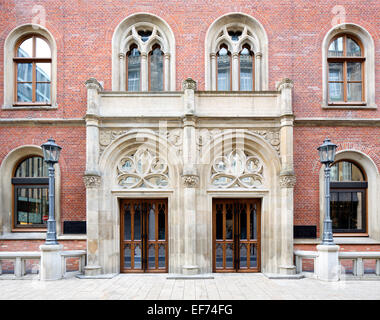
134	66
24	72
354	91
144	35
352	47
335	71
42	49
24	92
25	50
42	92
246	70
354	71
157	70
32	205
347	210
223	61
336	48
336	91
43	72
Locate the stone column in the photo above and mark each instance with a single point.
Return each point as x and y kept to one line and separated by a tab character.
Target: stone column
144	72
92	177
190	179
167	72
213	71
235	72
258	56
122	72
287	178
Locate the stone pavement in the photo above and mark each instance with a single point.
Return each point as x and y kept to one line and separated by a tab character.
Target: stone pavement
157	286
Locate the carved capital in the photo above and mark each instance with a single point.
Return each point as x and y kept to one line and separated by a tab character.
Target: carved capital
285	84
91	180
287	181
190	180
92	83
121	56
189	84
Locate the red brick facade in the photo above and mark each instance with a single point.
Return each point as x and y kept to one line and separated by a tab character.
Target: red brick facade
83	33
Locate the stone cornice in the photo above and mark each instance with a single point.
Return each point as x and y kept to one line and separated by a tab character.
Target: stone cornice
336	122
42	121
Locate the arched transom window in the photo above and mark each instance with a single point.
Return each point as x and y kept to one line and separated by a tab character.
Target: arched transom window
348	198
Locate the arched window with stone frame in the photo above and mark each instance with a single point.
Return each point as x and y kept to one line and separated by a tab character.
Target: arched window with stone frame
152	39
247	43
348	68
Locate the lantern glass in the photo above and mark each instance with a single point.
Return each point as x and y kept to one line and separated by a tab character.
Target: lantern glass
327	151
51	151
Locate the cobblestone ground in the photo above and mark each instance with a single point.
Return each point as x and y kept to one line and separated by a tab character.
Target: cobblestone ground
222	287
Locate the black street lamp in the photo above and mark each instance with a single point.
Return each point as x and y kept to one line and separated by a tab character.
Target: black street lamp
327	155
51	156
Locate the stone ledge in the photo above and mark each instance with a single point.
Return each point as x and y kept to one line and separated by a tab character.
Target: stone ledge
284	276
191	277
99	276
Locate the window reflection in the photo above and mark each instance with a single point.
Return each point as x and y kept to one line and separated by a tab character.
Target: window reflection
156	69
224	69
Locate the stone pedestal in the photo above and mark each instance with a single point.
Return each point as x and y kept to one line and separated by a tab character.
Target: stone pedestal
327	266
51	262
92	271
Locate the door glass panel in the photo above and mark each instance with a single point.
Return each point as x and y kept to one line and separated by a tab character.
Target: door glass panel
137	223
152	223
229	255
253	256
161	222
127	256
151	256
137	256
161	256
243	221
252	222
219	255
219	222
243	255
229	222
127	222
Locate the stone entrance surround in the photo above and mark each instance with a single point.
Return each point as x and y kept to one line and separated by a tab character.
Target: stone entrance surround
189	147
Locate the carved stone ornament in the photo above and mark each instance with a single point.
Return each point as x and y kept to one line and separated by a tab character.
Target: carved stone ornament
92	181
142	170
287	181
237	170
190	180
189	84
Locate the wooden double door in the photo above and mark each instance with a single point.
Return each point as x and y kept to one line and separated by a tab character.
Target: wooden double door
144	235
236	235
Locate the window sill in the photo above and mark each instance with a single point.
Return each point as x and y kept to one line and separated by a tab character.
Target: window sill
340	240
29	107
38	236
363	105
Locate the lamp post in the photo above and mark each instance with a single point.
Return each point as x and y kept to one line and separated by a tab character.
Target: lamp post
327	155
51	155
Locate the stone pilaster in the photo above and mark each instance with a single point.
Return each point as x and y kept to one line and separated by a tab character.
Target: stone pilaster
92	177
287	177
